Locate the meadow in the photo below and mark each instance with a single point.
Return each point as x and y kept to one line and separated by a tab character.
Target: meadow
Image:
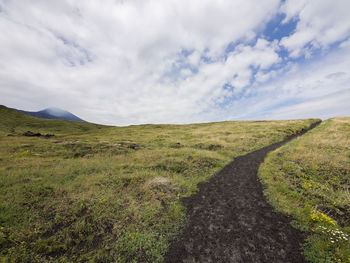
94	193
309	179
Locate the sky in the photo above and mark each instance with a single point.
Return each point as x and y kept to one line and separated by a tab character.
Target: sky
123	62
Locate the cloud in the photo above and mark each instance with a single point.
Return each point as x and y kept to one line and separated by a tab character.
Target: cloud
320	24
317	89
149	61
326	107
123	62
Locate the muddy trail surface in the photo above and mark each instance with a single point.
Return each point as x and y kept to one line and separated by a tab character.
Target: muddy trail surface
231	221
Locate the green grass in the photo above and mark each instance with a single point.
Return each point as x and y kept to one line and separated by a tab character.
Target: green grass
309	179
109	194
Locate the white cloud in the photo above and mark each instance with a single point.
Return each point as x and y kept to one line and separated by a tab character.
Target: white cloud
318	89
120	62
320	24
149	61
194	58
326	107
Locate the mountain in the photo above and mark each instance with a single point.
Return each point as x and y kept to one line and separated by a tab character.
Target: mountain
13	121
53	113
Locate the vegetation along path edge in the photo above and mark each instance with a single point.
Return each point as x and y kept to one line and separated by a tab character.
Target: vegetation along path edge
231	221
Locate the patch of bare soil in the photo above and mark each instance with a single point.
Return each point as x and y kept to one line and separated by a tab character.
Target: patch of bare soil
231	221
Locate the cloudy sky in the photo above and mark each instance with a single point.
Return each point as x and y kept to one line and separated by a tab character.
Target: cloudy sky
176	61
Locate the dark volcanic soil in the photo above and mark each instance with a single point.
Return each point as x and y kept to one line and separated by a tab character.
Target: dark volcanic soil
231	221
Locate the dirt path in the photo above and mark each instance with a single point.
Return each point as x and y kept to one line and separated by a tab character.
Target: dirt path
230	220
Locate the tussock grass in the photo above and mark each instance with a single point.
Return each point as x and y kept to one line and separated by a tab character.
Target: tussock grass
309	179
110	194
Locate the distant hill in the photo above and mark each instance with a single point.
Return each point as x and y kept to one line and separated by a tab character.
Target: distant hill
53	113
14	121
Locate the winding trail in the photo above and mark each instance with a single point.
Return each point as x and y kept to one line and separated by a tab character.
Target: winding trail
231	221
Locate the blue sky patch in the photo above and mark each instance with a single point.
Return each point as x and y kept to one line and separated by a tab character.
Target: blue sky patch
275	29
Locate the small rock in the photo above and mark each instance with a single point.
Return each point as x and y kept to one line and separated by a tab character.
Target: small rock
38	134
31	134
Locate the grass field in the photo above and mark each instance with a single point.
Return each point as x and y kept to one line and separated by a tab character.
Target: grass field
309	179
109	194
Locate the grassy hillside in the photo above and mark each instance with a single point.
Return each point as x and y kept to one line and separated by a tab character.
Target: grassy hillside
110	194
13	121
309	179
